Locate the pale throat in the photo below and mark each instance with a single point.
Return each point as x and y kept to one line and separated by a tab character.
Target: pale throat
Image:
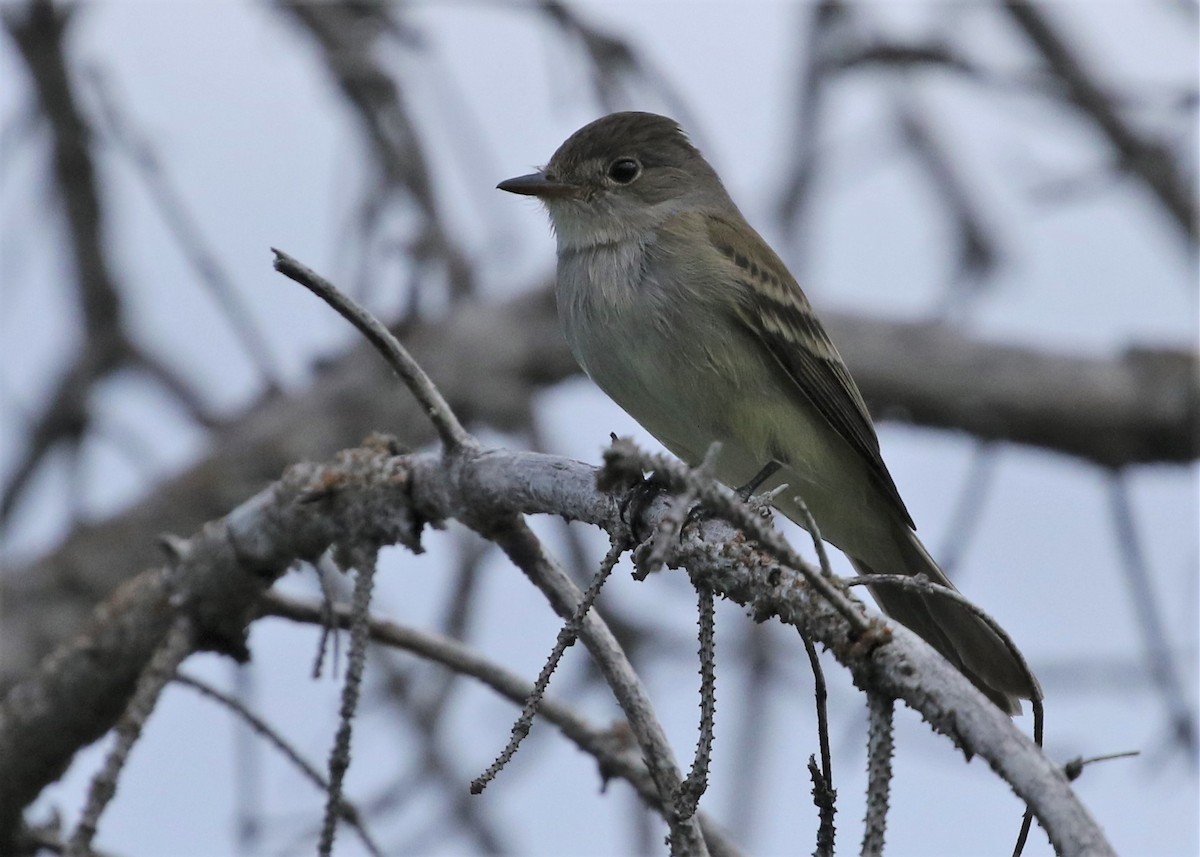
577	228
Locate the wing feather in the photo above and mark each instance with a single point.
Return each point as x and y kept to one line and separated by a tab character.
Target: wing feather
773	308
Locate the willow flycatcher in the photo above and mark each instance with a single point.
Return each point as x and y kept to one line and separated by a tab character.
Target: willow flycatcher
680	312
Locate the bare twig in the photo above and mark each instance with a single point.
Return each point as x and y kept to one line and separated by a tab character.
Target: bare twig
672	523
566	638
879	773
815	75
616	755
527	553
825	800
1149	160
907	55
39	30
339	756
347	811
247	764
1159	659
967	510
327	573
348	36
1074	768
431	772
179	220
687	798
926	586
453	435
810	524
824	794
175	647
613	62
978	250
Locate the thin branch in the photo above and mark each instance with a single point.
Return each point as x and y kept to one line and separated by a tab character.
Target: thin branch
454	436
687	798
1074	768
922	584
247	766
349	39
175	647
966	512
824	794
978	251
183	391
39	29
613	62
566	638
432	772
328	576
616	756
1159	659
903	56
1147	159
346	810
879	773
652	554
181	223
810	524
356	661
522	547
814	79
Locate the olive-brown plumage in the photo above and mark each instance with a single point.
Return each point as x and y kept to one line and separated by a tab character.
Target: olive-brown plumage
679	310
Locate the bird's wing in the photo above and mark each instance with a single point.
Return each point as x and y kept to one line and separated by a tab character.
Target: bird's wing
773	308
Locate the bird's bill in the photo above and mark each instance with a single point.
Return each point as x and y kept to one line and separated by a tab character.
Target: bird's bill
536	184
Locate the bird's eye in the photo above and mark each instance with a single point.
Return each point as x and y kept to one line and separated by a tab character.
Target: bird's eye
624	170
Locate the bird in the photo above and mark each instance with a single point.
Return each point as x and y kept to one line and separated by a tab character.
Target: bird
677	308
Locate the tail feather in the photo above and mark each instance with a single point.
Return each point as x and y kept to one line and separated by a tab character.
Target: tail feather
959	635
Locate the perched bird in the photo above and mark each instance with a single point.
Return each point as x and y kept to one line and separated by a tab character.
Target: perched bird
683	314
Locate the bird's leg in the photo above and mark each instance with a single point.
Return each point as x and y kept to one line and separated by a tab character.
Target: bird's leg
768	470
639	497
699	513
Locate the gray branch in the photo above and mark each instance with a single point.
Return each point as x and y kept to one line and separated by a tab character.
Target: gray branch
490	362
219	575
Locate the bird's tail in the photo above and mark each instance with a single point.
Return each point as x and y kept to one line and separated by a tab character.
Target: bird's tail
958	634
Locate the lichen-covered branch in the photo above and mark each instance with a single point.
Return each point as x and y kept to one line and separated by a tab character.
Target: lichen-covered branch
381	497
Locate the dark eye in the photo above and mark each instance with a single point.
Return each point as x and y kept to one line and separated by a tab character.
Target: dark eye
624	170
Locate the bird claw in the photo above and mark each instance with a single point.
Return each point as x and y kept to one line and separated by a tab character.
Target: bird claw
637	501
